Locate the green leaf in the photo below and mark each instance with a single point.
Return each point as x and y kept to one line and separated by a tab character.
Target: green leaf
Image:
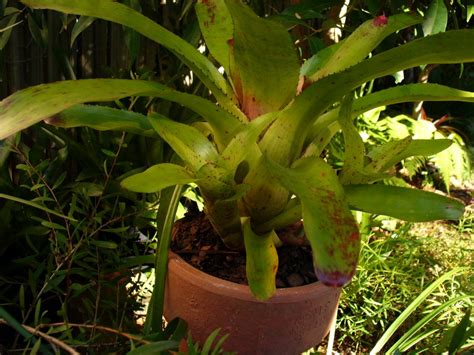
285	138
354	149
103	118
155	348
104	244
395	95
39	35
436	18
383	156
247	137
80	26
36	205
217	28
124	15
29	106
190	144
460	332
262	261
158	177
411	308
328	222
362	41
470	12
416	147
404	203
264	66
6	31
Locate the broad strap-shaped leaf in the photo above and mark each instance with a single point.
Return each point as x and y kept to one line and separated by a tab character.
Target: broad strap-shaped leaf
354	150
158	177
362	41
217	28
394	152
261	262
189	143
395	95
404	203
29	106
328	222
103	118
385	156
285	138
264	66
121	14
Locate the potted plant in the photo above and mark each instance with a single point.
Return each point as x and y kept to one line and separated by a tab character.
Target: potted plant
257	159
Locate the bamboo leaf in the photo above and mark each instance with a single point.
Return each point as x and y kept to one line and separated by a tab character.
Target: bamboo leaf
126	16
158	177
35	205
328	222
80	26
264	66
262	261
404	203
436	18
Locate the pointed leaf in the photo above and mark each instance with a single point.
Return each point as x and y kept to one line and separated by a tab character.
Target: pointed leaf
354	150
436	18
80	26
363	40
285	138
29	106
265	66
328	222
121	14
262	261
383	156
395	95
190	144
157	177
217	28
404	203
418	147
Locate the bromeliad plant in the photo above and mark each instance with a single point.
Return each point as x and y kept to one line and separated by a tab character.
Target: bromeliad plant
257	161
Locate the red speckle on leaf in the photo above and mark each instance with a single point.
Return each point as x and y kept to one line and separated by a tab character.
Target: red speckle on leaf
380	21
230	42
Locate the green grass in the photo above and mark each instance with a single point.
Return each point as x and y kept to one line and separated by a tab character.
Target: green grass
397	262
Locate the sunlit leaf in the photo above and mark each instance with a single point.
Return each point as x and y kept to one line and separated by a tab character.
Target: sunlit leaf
262	262
404	203
157	177
264	66
436	18
328	222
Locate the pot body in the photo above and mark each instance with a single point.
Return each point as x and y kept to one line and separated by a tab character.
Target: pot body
292	321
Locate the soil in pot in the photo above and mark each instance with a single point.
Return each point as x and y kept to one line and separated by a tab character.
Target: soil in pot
195	240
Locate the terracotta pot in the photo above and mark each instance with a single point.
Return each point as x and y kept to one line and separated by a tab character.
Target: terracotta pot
292	321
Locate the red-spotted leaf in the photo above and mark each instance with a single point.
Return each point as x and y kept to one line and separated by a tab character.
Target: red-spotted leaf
264	66
328	222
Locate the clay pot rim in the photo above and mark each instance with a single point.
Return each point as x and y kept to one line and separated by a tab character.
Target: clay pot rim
216	285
